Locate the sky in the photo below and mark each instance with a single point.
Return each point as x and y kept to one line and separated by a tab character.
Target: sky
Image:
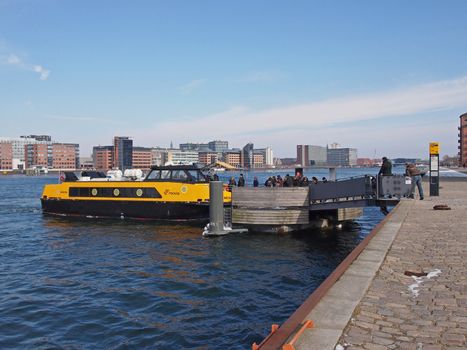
385	77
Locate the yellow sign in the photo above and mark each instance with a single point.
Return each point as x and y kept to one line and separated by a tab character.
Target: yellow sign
434	148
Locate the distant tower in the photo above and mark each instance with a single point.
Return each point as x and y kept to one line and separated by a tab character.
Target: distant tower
247	156
171	145
123	153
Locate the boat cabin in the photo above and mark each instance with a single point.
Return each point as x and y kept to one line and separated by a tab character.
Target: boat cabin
181	173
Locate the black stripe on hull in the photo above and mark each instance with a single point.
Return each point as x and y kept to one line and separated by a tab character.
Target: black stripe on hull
128	209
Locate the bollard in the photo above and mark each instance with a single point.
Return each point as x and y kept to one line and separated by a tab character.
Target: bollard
332	174
216	207
216	212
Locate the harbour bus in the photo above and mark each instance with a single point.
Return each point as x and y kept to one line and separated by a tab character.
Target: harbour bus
168	193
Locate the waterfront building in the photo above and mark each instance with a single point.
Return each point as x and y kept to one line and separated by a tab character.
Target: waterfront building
159	156
18	144
317	155
310	155
142	158
207	158
342	156
218	146
365	162
60	156
258	160
463	140
102	157
268	156
123	153
194	147
6	156
302	155
86	163
44	138
65	156
247	156
38	154
233	157
175	156
286	162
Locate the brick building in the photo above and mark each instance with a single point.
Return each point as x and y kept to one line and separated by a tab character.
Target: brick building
6	156
64	156
258	160
102	157
463	140
233	158
207	158
38	155
142	158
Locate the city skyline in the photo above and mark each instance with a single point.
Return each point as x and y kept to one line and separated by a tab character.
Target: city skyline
386	79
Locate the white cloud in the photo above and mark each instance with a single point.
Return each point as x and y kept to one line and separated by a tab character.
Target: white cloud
17	62
13	59
44	73
290	125
188	88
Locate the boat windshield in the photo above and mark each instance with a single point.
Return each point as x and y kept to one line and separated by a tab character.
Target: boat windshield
184	175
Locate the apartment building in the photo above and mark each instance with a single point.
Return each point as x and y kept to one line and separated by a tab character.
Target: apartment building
142	158
6	156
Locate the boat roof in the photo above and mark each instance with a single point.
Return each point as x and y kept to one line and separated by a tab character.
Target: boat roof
176	167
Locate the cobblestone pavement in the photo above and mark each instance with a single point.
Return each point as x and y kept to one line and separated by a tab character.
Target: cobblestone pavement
424	313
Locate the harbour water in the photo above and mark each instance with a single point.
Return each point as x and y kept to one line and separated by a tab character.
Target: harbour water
117	284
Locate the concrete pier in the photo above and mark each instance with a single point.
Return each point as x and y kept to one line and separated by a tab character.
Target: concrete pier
377	303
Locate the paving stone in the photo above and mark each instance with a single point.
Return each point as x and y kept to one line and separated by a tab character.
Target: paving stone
415	238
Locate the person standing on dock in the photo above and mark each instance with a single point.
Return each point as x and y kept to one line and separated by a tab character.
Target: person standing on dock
386	167
255	182
416	176
241	181
232	182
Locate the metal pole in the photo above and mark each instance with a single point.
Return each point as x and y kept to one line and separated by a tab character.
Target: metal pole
434	169
216	206
332	174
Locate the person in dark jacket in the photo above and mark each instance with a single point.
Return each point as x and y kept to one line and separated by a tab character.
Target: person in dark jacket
386	167
241	181
255	182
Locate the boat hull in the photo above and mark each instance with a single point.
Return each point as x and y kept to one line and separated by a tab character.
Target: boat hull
149	210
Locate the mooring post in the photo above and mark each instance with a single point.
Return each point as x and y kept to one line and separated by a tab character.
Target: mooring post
216	212
216	207
332	174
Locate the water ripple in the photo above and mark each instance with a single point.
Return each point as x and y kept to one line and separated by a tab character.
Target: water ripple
88	284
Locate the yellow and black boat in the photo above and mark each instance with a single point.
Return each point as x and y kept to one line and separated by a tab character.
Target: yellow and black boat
176	192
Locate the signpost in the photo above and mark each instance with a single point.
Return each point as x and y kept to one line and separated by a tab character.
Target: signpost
434	169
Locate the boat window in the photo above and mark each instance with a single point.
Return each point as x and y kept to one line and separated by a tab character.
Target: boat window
154	175
192	175
165	175
179	175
